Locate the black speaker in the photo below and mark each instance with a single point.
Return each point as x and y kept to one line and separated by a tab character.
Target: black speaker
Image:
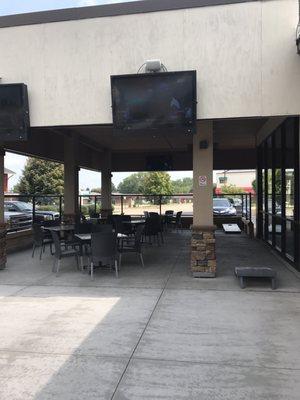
14	112
203	144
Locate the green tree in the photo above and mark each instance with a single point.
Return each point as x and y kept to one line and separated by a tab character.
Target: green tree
98	189
184	185
133	184
157	183
231	189
41	177
277	182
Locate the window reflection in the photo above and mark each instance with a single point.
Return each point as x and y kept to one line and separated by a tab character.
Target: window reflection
278	170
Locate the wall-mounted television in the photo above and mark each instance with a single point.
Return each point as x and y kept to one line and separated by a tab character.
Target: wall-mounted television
14	112
159	162
155	101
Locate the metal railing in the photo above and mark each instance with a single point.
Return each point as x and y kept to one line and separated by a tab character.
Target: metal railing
133	204
243	203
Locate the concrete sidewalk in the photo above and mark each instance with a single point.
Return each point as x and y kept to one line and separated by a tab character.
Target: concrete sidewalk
155	333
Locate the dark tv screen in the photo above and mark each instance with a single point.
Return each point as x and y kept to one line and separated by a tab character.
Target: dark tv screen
14	112
153	101
159	162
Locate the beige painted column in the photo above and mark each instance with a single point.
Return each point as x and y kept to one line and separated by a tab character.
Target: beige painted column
203	175
2	222
203	256
106	205
70	179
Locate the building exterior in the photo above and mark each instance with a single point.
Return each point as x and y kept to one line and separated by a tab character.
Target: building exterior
242	179
248	85
7	175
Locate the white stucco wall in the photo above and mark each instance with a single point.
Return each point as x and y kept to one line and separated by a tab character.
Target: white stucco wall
241	179
244	54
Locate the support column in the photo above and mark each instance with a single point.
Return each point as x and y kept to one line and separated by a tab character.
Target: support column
203	255
70	180
106	205
2	221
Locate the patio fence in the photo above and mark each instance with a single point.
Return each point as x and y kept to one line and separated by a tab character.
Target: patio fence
133	204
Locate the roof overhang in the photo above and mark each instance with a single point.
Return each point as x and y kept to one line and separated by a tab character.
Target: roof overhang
109	10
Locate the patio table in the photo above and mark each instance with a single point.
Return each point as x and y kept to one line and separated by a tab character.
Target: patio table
86	237
134	222
60	228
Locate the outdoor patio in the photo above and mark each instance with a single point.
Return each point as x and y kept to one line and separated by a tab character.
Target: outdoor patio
154	333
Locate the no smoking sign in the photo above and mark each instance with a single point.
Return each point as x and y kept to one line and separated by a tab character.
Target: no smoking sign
202	180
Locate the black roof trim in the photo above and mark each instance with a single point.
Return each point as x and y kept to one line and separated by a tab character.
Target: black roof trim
108	10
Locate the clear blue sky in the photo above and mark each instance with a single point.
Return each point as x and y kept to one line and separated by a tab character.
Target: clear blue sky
23	6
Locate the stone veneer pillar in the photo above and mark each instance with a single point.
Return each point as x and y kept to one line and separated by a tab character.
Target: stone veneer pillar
203	252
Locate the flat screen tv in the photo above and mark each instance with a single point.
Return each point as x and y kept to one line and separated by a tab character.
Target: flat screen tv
159	162
14	112
143	102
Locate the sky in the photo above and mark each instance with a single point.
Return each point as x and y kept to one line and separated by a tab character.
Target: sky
87	179
22	6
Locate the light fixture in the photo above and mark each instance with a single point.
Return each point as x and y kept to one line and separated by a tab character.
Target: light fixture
152	66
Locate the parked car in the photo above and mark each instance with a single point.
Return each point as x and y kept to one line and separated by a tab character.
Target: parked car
237	202
222	206
16	221
27	208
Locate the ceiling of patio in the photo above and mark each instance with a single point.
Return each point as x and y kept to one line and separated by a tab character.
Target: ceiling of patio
228	134
234	145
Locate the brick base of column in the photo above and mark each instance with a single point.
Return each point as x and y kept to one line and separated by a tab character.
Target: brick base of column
2	246
69	219
203	252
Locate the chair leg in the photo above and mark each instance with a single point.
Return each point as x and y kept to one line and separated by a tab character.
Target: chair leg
116	268
242	282
162	237
92	270
41	252
77	263
51	249
33	250
57	267
120	259
142	259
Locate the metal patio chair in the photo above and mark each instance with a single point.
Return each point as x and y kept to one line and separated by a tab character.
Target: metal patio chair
153	229
41	238
176	222
133	245
104	251
62	253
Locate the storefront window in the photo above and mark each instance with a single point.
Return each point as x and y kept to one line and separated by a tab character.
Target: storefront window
277	220
289	186
278	216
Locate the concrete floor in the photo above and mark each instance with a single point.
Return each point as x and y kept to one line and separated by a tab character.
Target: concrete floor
155	333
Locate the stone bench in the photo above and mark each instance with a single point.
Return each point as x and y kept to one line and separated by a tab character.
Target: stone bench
256	272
